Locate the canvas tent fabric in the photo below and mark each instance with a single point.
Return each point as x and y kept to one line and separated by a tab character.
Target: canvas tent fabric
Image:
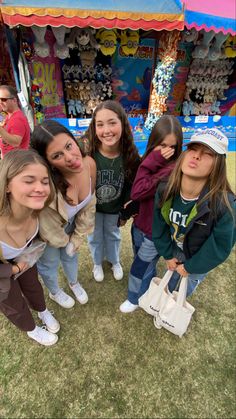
140	14
217	15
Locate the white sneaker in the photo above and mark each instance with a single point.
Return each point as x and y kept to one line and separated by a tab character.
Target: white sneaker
98	273
117	271
49	320
42	336
128	307
79	292
63	299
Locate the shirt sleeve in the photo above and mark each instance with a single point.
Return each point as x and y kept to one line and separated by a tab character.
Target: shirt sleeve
148	175
216	248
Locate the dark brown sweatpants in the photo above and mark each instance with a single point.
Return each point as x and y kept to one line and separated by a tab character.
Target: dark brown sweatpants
25	290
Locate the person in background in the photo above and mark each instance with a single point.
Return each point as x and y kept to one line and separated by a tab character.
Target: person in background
117	159
71	215
163	148
14	129
25	189
194	214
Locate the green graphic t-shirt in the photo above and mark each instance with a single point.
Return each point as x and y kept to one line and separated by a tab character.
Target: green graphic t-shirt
110	183
178	215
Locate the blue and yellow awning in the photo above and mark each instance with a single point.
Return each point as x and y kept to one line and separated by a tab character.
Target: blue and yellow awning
139	14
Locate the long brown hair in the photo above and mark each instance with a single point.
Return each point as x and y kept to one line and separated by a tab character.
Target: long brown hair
217	184
128	150
166	124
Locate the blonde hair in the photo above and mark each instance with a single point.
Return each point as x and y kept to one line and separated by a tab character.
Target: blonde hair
12	165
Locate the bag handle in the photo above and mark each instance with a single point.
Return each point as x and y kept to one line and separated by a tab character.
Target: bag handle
182	291
165	279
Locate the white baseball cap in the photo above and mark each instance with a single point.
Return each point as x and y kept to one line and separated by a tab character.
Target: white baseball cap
212	138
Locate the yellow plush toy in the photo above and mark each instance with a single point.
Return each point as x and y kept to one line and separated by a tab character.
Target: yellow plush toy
129	41
230	46
107	41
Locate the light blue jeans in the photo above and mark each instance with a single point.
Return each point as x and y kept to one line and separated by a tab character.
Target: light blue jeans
104	242
143	268
49	263
193	281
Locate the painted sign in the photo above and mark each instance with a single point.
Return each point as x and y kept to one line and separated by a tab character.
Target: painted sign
132	77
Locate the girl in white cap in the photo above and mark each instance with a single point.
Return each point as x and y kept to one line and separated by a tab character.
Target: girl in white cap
194	215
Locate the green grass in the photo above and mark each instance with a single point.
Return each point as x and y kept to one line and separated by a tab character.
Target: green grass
110	365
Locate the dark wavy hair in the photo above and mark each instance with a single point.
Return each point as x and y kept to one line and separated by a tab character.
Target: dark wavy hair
128	150
41	137
166	124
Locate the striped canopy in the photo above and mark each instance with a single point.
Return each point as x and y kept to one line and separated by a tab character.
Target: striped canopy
136	14
217	15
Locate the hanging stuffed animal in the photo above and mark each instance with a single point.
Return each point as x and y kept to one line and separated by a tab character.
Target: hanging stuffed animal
40	46
83	39
67	70
190	35
107	73
215	51
61	50
27	50
230	46
107	41
201	51
129	42
71	107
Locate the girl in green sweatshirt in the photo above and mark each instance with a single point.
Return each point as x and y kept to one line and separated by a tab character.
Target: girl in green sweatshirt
194	215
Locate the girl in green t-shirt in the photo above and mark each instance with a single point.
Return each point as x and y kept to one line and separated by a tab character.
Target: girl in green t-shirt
117	160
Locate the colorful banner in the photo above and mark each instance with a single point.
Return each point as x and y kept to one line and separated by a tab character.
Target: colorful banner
132	77
46	72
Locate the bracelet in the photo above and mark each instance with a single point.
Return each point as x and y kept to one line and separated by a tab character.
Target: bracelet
19	269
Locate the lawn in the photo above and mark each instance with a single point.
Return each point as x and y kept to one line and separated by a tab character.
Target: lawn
110	365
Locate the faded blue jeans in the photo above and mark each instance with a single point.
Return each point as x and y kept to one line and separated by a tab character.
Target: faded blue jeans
104	242
193	281
143	268
49	263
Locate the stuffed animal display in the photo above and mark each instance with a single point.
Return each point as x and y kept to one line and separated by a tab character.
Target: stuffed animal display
209	45
209	72
205	87
85	87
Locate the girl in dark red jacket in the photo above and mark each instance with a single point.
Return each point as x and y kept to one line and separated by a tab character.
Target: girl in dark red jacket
164	147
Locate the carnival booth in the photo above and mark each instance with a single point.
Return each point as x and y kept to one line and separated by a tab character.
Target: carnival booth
79	55
153	57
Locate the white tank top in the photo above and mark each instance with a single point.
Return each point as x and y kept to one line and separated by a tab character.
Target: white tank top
73	209
10	252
